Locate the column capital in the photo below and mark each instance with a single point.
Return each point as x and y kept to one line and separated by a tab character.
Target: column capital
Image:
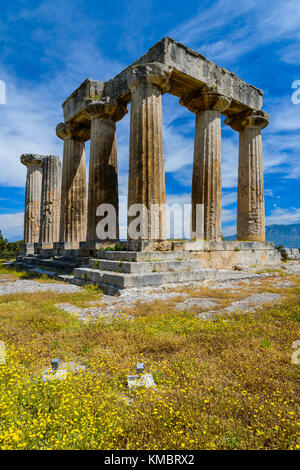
206	99
154	73
250	119
68	130
32	159
107	107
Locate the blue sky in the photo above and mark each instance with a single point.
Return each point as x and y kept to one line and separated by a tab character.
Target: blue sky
48	48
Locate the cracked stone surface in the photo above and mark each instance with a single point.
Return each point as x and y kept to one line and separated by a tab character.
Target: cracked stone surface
248	305
292	268
192	302
252	302
228	285
92	314
111	308
129	297
28	286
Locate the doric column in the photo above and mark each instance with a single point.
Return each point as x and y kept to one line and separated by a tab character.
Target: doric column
250	205
33	193
103	169
207	182
50	203
146	183
73	211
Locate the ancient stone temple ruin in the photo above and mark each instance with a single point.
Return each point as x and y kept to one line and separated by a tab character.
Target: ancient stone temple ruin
61	215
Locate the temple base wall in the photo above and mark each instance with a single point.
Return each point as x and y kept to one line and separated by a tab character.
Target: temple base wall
27	249
188	261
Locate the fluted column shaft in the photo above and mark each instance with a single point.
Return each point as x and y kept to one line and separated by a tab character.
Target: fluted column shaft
146	183
250	204
207	179
73	212
103	168
50	202
33	193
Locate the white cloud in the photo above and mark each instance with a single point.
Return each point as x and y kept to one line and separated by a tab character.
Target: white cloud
285	115
230	157
229	230
228	215
33	109
28	126
257	23
11	225
208	21
179	150
290	54
283	216
229	198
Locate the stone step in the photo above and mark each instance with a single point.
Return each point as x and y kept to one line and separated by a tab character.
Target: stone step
55	264
112	283
133	256
124	280
140	267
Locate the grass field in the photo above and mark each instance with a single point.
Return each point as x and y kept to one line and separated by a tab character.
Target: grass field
223	384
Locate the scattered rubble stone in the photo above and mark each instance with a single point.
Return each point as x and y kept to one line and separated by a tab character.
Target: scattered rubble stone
145	380
292	268
290	254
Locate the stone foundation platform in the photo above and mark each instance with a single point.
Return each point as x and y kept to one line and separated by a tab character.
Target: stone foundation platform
186	261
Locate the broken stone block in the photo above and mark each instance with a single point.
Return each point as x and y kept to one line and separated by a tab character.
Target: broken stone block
145	380
290	254
50	374
238	267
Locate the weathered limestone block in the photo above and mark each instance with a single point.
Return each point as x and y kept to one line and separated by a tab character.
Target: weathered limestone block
146	183
33	193
250	205
73	105
290	253
190	71
103	169
207	181
73	212
50	203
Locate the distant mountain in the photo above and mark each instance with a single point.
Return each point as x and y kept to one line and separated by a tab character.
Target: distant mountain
286	235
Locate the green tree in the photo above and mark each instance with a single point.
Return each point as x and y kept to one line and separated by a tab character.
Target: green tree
8	249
